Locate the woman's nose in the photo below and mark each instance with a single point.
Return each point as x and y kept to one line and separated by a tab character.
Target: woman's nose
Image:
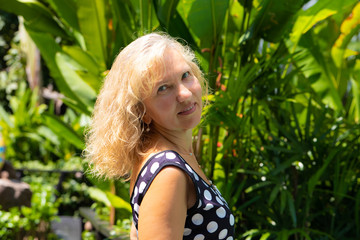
183	93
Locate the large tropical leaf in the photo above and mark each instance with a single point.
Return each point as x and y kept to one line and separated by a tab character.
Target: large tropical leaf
109	199
63	130
70	70
66	11
204	19
306	19
122	34
349	27
85	66
147	17
48	48
93	26
314	64
354	110
165	9
83	58
275	18
172	22
118	202
36	15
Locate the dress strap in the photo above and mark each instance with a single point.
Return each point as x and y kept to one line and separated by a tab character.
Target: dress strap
150	170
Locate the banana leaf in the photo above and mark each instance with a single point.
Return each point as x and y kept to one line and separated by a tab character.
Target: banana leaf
35	14
93	27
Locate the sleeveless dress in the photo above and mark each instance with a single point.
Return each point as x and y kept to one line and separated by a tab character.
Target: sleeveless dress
209	218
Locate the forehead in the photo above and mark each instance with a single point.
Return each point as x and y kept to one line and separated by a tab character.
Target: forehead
163	69
174	64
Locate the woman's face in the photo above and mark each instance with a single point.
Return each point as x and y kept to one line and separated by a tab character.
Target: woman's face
175	102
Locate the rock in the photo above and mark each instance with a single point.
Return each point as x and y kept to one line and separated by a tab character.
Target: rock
14	193
4	175
68	228
11	172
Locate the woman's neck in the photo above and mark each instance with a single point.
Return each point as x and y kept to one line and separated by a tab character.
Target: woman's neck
177	140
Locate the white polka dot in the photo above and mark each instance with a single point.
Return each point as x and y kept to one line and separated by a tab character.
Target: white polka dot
200	203
188	168
207	195
223	233
220	212
170	155
154	167
208	206
199	237
142	187
232	220
144	171
134	195
196	177
230	238
219	200
197	219
212	227
136	191
159	155
136	207
187	231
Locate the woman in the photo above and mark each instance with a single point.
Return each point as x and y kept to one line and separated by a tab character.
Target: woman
142	129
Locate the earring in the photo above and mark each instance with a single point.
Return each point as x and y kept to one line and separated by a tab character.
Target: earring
147	128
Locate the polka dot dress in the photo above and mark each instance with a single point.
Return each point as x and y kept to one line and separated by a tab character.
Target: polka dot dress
209	218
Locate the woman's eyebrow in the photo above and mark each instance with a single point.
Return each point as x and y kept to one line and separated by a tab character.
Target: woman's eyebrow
161	82
166	79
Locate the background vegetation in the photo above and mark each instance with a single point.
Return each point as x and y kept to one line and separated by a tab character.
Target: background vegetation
280	137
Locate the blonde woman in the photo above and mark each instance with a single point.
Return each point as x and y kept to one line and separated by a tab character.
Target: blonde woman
142	129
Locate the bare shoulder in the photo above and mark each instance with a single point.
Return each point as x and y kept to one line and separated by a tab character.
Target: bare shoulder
172	179
165	205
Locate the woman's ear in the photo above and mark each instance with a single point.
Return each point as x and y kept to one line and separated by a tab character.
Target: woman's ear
146	119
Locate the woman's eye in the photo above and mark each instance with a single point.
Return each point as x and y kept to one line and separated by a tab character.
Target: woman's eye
185	75
162	88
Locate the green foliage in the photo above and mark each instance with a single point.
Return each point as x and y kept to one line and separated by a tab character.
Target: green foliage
13	70
74	194
31	134
19	125
279	132
88	235
8	27
31	222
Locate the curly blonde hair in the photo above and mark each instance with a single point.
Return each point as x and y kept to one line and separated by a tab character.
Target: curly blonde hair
116	137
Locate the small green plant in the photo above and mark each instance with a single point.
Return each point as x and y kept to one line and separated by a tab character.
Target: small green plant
32	222
88	235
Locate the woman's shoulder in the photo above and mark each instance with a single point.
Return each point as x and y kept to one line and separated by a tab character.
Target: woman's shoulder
161	159
153	162
163	156
164	166
153	181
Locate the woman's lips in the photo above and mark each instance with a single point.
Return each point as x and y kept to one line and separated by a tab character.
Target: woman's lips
188	110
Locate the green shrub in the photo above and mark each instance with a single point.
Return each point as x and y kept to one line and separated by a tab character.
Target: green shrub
31	222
